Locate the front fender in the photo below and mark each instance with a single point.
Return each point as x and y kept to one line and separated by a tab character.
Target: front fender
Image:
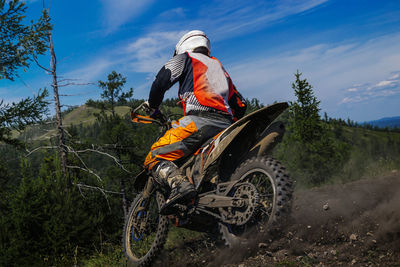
140	180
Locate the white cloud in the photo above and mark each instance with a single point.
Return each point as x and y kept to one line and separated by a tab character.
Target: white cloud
384	83
338	72
339	49
174	13
118	12
368	91
395	76
150	52
348	100
143	55
241	17
90	72
224	19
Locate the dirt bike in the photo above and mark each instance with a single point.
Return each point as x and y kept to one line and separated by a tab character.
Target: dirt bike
240	188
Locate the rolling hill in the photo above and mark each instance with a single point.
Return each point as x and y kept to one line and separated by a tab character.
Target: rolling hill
385	122
84	115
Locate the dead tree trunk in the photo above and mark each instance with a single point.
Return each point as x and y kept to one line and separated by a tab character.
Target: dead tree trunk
122	184
124	204
60	131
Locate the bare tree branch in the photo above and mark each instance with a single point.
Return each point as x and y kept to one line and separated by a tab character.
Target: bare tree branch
103	153
65	130
66	79
70	106
80	191
65	58
46	122
44	68
81	160
69	84
85	93
38	148
97	188
88	187
26	85
86	170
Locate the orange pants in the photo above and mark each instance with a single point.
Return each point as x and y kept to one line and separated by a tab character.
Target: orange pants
184	138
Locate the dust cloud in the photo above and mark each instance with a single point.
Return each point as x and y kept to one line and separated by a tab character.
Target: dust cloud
342	223
357	223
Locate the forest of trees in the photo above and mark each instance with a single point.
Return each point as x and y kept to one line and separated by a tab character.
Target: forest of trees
56	211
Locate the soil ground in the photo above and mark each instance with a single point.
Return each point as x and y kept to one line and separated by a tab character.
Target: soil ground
354	224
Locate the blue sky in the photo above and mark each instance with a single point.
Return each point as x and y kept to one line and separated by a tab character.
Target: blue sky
348	50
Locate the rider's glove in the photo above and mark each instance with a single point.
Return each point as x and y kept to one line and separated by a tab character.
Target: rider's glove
149	110
154	113
146	107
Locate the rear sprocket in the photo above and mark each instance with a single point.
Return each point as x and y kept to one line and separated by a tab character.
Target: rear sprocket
246	196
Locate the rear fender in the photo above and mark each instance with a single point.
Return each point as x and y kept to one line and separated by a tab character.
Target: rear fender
272	136
247	130
221	145
255	134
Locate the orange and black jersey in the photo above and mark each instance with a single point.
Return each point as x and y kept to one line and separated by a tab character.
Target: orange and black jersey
204	85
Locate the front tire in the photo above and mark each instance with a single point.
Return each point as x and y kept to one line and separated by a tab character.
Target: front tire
145	230
274	188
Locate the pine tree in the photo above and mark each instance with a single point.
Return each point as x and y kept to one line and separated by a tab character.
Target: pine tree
305	122
309	148
116	131
20	43
16	116
112	90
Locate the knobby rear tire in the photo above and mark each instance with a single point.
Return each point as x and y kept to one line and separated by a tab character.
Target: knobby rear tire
160	238
282	193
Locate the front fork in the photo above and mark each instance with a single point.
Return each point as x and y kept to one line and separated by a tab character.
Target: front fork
144	204
148	188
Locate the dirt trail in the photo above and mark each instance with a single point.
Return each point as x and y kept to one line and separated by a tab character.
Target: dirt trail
352	224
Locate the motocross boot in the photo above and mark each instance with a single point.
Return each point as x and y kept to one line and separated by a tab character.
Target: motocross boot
182	191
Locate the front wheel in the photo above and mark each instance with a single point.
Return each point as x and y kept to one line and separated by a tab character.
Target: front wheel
145	231
270	186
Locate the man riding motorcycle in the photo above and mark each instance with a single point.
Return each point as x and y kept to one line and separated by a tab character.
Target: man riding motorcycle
210	103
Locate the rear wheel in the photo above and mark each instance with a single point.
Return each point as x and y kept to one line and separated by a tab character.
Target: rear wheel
273	198
145	230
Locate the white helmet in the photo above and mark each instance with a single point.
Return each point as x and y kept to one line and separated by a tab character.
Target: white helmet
191	41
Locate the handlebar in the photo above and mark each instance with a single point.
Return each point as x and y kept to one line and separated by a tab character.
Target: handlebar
160	118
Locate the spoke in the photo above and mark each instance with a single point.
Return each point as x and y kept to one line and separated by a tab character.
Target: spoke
266	195
265	212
